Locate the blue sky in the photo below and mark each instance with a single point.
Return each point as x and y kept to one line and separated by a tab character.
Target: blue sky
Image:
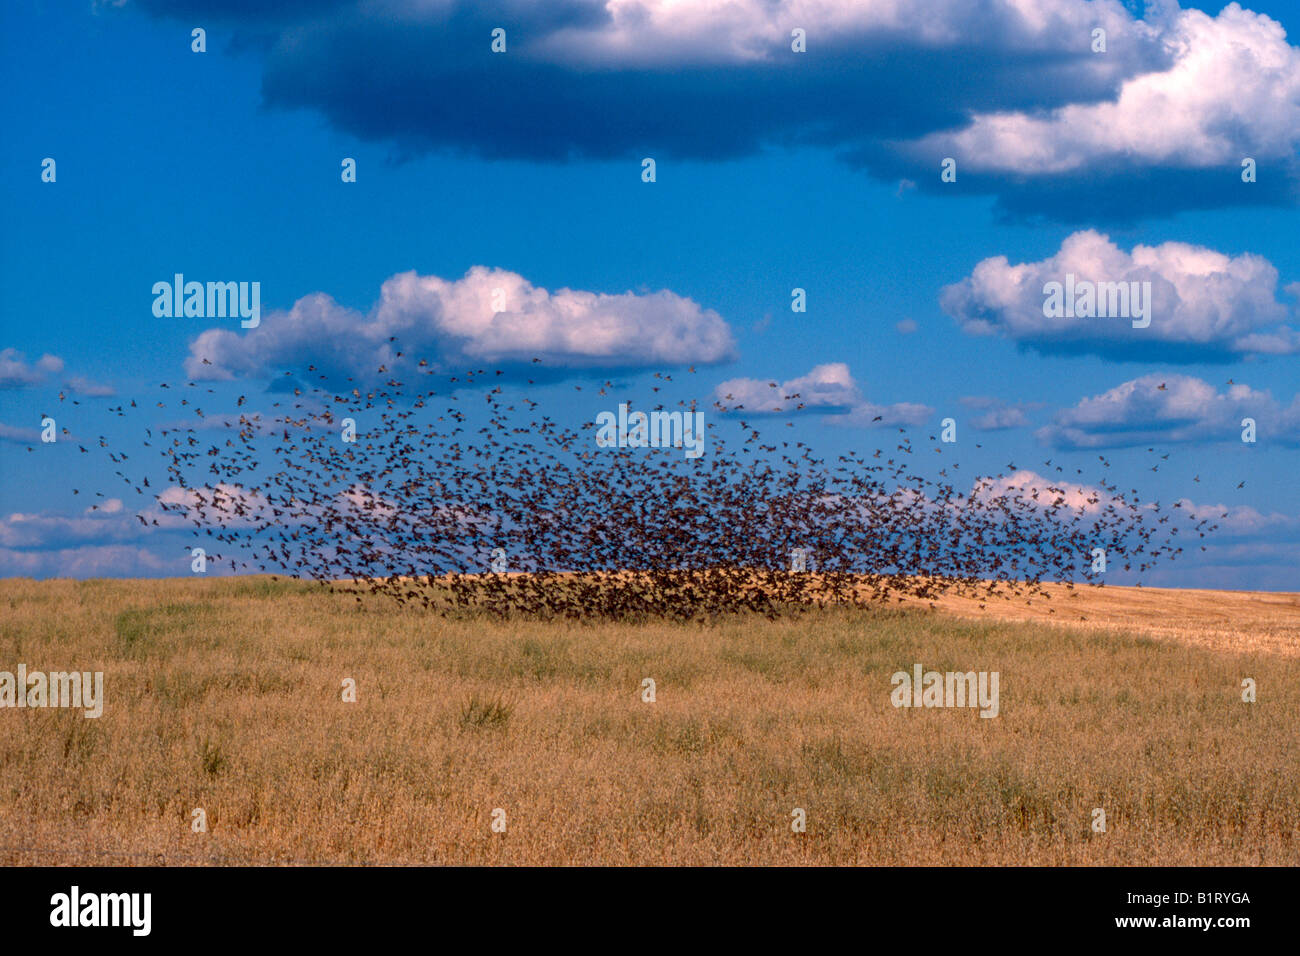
775	170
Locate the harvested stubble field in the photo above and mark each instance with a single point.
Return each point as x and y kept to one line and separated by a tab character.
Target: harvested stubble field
226	695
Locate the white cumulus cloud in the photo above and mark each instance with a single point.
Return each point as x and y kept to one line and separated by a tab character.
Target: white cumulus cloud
489	316
1231	90
828	388
1171	408
1203	303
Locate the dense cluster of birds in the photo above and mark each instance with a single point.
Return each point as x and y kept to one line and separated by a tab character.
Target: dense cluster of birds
465	497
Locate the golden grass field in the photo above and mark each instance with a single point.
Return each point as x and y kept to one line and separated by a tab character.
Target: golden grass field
226	695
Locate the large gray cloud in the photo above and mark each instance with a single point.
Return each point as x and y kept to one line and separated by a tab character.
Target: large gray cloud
17	372
1012	90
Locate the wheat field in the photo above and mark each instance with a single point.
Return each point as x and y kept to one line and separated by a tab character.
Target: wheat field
226	695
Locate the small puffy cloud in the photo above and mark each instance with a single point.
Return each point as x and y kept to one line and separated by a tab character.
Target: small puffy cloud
1248	566
1242	522
1248	549
1224	546
871	415
1203	306
1171	408
998	419
81	385
828	388
993	414
19	436
490	316
1035	490
17	372
906	326
48	530
90	561
228	505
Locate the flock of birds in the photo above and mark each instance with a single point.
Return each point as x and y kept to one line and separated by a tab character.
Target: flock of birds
465	497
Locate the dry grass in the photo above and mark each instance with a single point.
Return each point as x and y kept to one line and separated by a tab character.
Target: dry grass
1234	621
225	694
